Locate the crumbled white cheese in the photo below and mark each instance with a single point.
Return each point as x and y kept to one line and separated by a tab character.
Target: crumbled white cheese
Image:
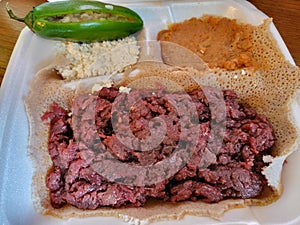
97	58
273	171
134	221
124	89
99	86
111	7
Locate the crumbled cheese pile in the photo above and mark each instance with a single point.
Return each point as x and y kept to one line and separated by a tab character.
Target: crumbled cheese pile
98	58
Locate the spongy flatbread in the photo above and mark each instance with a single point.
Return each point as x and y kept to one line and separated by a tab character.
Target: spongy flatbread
270	90
47	81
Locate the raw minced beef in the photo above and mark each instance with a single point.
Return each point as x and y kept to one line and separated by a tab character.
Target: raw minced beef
109	126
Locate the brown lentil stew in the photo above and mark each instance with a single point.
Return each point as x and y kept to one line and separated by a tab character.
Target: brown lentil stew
219	41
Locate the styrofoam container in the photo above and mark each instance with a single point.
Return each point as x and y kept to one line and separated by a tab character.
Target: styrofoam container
32	53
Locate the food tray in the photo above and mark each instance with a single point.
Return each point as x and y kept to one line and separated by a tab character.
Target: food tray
16	207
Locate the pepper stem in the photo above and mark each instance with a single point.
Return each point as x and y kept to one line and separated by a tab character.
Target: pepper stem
12	15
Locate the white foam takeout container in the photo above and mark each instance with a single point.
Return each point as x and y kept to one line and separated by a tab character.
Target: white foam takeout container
32	53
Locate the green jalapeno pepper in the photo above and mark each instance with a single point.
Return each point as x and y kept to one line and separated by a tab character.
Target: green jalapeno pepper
81	21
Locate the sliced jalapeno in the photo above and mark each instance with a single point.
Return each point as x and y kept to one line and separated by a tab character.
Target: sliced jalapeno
81	21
